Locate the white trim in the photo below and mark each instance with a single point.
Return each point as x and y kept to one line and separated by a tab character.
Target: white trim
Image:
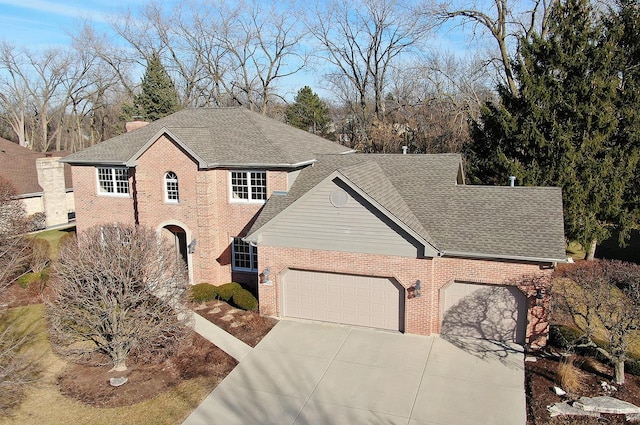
249	200
165	182
114	181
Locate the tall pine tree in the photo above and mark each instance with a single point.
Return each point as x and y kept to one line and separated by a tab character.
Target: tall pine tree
158	96
308	112
563	128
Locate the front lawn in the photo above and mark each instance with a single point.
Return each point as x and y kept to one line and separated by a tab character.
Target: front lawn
45	404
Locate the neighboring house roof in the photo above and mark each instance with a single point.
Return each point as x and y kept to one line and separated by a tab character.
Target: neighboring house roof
216	137
426	193
18	165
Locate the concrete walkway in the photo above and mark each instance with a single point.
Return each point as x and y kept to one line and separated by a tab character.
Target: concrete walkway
221	338
313	373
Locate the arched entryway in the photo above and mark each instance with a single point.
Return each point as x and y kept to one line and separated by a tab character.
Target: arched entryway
179	238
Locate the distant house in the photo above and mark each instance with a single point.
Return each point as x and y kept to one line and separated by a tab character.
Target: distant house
42	182
396	242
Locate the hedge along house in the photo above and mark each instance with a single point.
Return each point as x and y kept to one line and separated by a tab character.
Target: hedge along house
395	242
399	242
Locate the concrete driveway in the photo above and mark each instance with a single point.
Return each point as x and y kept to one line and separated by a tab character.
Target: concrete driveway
313	373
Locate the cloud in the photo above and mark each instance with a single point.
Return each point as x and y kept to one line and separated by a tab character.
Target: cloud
66	9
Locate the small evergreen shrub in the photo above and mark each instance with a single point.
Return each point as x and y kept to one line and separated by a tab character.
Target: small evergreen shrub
203	292
226	291
564	337
245	300
25	280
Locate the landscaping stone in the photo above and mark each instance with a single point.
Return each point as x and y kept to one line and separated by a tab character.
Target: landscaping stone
531	359
565	409
606	404
632	417
116	382
227	318
559	391
215	310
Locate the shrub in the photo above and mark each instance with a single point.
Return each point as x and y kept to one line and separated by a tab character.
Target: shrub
226	291
25	280
569	376
564	337
36	282
67	237
40	254
245	300
37	221
203	292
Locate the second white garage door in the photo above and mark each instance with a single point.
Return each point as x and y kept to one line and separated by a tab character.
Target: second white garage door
484	311
339	298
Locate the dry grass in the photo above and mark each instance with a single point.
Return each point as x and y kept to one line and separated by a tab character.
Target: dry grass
45	405
569	377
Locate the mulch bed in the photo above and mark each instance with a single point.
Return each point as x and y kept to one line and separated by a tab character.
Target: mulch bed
540	377
247	326
196	357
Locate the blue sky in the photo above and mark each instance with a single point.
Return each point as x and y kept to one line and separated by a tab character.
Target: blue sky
37	24
42	23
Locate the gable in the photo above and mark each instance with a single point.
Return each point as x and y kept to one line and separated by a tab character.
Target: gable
333	216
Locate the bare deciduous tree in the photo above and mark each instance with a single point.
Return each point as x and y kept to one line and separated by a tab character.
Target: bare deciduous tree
362	41
17	369
120	292
504	20
602	298
14	249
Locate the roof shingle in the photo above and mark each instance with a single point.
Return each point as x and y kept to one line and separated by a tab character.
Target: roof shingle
422	192
220	137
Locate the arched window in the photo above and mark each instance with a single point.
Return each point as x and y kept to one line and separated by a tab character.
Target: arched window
171	187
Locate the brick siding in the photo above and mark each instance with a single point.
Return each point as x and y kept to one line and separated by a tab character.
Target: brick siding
423	315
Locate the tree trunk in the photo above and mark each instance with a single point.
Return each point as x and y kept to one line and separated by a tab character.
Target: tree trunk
591	254
619	371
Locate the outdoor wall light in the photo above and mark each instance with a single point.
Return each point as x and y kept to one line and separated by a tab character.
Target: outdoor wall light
191	248
266	280
414	291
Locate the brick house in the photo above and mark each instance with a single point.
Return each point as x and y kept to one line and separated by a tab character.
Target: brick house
395	242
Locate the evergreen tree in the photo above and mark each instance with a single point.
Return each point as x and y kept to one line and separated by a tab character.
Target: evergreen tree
563	128
308	112
158	96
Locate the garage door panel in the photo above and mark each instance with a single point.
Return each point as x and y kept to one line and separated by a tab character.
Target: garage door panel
484	311
349	299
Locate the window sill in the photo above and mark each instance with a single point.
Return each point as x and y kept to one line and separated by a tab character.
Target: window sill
114	195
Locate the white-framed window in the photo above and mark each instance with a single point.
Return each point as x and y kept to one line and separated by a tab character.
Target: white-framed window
248	186
244	256
171	187
113	181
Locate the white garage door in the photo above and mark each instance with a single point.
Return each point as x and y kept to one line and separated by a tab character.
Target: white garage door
354	300
485	311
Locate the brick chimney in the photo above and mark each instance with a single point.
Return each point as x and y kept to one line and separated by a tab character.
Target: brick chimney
134	125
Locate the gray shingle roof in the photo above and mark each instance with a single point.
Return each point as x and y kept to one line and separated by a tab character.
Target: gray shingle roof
219	137
18	165
421	192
